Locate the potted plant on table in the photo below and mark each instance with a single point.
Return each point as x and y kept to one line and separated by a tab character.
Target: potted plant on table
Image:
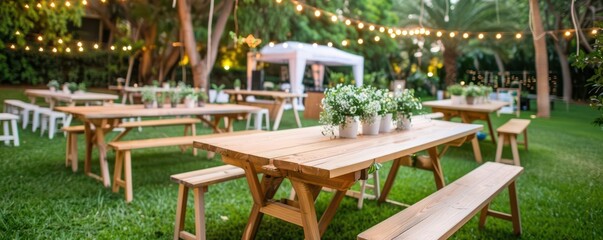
175	98
369	110
456	94
148	97
237	84
341	107
72	87
53	85
471	93
81	87
160	99
406	104
387	111
201	98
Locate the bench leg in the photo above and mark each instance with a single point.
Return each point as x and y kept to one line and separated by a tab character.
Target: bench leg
73	155
119	163
194	133
525	138
199	212
128	173
501	142
483	216
180	210
514	149
515	217
6	133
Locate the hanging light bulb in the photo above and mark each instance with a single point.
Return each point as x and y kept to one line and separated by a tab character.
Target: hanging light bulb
84	2
81	49
315	45
439	34
465	35
348	22
567	33
594	31
26	5
381	29
68	50
39	5
52	5
398	32
344	43
404	33
67	4
518	36
60	41
299	7
360	25
17	33
54	50
79	44
377	38
498	36
12	46
279	1
271	44
40	38
372	27
480	36
360	41
422	31
26	48
95	46
317	13
427	32
452	34
330	44
112	48
41	49
334	18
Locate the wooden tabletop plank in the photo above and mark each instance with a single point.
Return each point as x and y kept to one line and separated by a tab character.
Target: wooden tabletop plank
84	96
306	150
274	94
120	111
489	107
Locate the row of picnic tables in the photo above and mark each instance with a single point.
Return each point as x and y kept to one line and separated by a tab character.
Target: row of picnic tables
304	156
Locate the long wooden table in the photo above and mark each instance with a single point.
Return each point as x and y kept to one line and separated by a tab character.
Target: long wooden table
312	161
52	98
129	92
98	120
276	108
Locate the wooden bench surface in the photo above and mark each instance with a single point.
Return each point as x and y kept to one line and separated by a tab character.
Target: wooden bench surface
209	176
514	126
146	123
442	213
170	141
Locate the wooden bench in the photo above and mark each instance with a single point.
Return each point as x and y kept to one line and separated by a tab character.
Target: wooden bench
442	213
199	182
123	158
507	133
73	131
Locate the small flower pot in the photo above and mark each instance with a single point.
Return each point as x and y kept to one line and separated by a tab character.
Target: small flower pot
350	128
148	105
371	127
386	123
174	104
403	123
457	99
200	103
53	89
189	103
159	105
470	100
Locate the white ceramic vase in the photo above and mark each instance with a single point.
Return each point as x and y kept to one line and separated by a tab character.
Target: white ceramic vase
350	128
189	103
386	123
371	126
403	123
457	100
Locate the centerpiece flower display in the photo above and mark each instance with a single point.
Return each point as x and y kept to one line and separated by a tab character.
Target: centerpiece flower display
342	106
406	104
472	92
388	109
370	106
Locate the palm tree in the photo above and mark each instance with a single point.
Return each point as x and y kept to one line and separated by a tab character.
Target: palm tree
458	17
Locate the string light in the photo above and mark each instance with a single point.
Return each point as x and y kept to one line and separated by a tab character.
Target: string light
112	48
26	48
52	5
372	27
271	44
129	47
17	33
60	41
315	45
392	35
348	22
518	36
84	2
81	49
95	46
40	38
594	31
344	43
39	5
567	33
334	18
41	49
465	35
398	32
360	25
27	6
381	29
377	38
54	50
439	34
390	31
317	13
422	31
79	44
360	41
299	7
427	32
498	36
330	44
68	50
12	46
480	36
452	34
279	1
404	33
68	4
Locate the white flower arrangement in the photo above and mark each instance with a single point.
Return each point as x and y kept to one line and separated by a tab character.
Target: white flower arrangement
407	103
388	103
370	103
339	103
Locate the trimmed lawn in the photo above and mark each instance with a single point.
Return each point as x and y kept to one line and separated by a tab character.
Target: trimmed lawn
560	192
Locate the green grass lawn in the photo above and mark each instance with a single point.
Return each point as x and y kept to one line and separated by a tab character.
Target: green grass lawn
560	192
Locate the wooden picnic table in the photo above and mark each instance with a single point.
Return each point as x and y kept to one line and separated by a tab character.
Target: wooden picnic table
276	107
312	161
129	92
98	120
70	98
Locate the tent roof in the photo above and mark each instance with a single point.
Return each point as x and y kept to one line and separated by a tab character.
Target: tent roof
283	52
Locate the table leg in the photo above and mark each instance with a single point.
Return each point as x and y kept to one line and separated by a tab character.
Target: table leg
279	114
89	144
328	215
308	212
477	153
294	106
492	136
391	177
438	174
102	150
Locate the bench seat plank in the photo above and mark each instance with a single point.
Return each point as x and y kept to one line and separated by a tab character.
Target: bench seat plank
170	141
514	126
209	176
445	211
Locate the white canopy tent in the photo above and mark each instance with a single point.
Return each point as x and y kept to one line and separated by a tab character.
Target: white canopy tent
298	55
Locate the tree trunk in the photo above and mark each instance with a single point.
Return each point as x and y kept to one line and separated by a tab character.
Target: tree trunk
190	46
542	65
565	71
198	66
146	64
450	56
